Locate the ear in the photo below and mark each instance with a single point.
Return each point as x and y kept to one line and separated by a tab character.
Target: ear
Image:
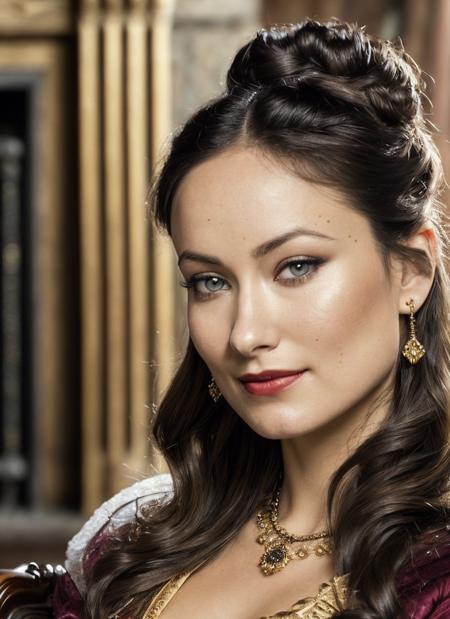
414	282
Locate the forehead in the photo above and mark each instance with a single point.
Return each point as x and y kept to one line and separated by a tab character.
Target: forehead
243	193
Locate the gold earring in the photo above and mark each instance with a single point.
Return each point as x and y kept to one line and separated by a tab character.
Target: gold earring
413	349
214	390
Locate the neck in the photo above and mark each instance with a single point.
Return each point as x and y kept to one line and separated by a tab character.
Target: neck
310	461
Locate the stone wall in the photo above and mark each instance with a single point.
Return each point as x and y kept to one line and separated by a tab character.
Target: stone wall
207	33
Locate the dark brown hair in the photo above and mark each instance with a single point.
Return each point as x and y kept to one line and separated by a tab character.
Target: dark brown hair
343	109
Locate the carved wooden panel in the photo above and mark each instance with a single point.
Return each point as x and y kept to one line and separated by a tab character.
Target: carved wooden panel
49	17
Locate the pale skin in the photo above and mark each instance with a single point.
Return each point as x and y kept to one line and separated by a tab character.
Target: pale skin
344	324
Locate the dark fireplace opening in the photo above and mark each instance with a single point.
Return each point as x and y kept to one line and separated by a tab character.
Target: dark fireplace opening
16	418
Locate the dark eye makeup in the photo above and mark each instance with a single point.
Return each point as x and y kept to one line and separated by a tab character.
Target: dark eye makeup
214	284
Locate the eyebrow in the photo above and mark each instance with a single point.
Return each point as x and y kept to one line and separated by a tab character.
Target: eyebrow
259	251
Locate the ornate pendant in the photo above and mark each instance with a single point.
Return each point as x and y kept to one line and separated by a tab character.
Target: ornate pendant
277	553
413	350
274	559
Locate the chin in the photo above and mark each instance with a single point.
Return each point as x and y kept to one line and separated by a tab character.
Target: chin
276	419
277	429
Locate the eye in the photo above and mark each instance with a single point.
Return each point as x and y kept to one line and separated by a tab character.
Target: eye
300	269
204	285
212	283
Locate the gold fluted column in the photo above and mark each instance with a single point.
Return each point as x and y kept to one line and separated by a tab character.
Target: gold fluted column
115	242
125	102
163	260
139	243
91	258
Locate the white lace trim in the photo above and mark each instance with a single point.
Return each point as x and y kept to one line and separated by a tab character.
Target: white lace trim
119	509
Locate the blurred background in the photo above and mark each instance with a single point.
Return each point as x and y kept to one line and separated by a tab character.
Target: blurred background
91	314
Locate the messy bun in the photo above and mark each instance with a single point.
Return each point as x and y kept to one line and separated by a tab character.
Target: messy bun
340	108
337	61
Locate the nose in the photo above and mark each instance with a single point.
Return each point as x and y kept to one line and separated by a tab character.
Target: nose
254	325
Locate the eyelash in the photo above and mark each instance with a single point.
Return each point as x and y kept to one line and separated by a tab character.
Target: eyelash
295	281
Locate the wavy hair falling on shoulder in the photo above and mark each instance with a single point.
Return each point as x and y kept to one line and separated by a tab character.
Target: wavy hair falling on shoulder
342	109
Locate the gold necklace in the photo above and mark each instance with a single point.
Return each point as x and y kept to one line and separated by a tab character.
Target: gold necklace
276	539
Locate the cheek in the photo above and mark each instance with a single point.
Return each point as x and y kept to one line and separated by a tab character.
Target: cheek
207	334
354	318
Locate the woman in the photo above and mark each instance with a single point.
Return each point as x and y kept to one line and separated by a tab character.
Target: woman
306	430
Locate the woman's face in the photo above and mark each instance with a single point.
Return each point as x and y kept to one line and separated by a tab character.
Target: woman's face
286	276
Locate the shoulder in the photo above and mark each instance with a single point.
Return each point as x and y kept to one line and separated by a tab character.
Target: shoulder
424	583
112	514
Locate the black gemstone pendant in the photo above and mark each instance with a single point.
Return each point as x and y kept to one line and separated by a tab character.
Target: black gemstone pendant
274	559
275	555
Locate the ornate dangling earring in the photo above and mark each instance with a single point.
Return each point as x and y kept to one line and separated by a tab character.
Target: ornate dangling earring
214	390
413	349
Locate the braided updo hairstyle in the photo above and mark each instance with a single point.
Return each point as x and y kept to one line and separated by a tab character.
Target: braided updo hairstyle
345	109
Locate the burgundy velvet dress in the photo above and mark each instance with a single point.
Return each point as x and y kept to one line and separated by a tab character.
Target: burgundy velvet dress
424	584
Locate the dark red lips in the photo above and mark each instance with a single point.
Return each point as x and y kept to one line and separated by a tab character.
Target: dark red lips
267	375
270	382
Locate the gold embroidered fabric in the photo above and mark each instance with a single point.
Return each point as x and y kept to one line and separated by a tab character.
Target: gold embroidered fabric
332	597
164	595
